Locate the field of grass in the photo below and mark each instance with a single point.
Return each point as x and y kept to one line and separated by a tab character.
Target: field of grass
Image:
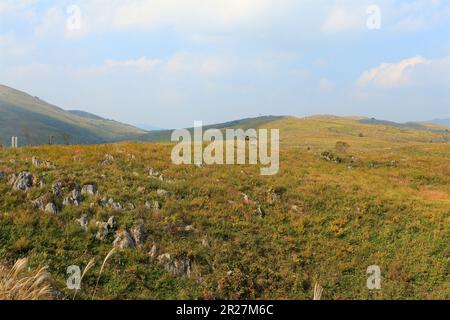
386	203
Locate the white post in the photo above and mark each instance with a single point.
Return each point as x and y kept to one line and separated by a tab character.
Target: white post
14	143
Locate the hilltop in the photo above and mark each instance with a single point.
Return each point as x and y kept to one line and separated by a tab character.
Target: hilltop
36	122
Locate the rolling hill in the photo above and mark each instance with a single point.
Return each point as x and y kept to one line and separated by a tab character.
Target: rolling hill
37	122
445	122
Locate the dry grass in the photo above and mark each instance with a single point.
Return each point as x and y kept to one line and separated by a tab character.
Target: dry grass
318	290
109	255
90	264
18	283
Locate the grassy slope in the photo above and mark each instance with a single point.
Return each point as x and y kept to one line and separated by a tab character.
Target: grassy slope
34	120
165	135
389	206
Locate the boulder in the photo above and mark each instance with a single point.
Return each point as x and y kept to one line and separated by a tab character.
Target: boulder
117	206
153	251
139	233
112	223
163	193
57	189
22	182
105	228
123	240
51	208
83	221
153	173
40	202
36	162
109	159
75	198
176	267
155	205
89	190
260	212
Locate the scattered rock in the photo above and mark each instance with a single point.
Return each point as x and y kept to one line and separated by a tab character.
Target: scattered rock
139	234
51	208
75	198
247	200
105	228
163	193
89	190
40	202
109	159
205	242
152	205
189	228
156	205
112	223
104	201
57	189
153	173
330	157
22	182
154	250
83	221
260	212
123	240
38	163
176	267
117	206
42	182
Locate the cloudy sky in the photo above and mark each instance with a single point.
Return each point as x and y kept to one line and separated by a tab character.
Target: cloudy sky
169	62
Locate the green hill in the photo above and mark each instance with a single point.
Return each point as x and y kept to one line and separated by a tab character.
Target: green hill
165	135
37	122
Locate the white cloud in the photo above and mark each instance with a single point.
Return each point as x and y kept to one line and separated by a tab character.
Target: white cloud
344	19
420	14
392	74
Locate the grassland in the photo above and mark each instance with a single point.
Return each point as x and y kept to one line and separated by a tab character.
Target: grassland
386	203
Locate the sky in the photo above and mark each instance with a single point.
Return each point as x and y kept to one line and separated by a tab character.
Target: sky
168	63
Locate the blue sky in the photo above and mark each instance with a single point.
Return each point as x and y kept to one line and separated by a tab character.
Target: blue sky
167	63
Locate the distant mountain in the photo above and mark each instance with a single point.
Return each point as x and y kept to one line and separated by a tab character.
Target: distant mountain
165	135
87	115
424	126
36	122
147	127
445	122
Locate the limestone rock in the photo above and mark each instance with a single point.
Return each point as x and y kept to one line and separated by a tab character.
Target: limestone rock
51	208
83	221
153	251
89	190
22	182
139	233
163	193
57	189
123	240
176	267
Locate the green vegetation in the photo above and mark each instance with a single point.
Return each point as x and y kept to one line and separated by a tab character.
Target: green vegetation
36	122
386	202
